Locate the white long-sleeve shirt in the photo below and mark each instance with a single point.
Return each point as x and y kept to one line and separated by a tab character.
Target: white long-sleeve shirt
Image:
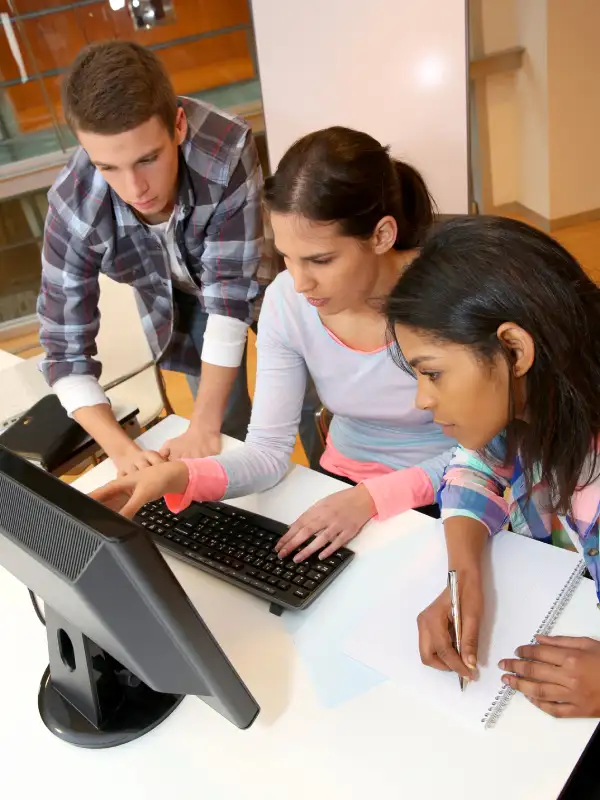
372	399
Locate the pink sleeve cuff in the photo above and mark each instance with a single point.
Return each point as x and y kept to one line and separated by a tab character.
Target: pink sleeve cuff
398	491
208	481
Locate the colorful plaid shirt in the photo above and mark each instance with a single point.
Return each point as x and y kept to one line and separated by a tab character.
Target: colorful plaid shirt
478	485
89	230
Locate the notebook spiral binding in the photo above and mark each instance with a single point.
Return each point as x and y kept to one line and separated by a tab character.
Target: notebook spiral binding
501	700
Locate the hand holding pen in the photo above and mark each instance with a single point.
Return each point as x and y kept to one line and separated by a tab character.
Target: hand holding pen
437	629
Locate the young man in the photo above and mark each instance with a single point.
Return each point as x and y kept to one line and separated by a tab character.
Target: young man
164	194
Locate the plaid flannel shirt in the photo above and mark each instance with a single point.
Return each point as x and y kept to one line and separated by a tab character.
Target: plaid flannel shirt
89	230
475	485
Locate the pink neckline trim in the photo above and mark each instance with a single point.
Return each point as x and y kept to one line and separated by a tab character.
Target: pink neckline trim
353	349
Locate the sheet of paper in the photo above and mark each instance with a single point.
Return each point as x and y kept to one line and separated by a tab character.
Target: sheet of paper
320	632
523	578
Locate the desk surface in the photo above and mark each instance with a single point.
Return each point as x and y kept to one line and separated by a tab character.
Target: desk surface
8	359
379	745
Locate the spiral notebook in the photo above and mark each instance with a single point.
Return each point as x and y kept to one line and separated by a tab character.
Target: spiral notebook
527	586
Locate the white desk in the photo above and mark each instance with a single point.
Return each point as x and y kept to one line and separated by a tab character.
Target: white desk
8	360
378	746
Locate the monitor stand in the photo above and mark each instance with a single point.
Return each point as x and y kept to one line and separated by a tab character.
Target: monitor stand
88	698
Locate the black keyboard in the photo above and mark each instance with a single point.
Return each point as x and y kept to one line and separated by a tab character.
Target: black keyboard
237	546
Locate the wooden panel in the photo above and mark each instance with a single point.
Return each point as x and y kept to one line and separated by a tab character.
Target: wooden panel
57	38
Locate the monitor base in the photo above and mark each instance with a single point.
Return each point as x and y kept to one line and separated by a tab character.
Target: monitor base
141	710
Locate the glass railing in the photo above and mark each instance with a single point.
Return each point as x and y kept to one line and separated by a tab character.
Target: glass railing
208	51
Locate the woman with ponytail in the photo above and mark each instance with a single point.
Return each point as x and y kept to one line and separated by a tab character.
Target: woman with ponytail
347	219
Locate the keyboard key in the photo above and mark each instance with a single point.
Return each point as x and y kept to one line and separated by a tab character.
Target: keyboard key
283	586
288	575
310	585
274	581
252	572
208	512
316	576
268	567
299	579
258	562
263	576
236	565
323	568
301	570
261	553
223	509
301	593
277	571
272	557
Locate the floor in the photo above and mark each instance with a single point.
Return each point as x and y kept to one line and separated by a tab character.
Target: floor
582	240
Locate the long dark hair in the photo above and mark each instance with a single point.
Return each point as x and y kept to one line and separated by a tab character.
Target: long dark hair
475	273
345	176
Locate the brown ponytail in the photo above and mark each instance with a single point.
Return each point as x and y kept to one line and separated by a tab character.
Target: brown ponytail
416	211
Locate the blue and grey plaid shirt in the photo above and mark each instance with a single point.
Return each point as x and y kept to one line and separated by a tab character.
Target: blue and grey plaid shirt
89	230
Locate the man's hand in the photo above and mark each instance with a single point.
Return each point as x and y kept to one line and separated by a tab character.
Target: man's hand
102	426
435	641
196	442
128	495
560	675
333	522
133	459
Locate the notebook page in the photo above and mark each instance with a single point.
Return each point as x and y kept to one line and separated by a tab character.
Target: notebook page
522	579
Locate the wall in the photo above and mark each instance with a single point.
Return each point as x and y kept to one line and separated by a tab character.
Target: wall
532	99
394	68
544	120
574	106
500	32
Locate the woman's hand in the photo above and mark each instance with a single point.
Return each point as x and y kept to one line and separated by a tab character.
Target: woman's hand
333	522
560	675
435	625
127	495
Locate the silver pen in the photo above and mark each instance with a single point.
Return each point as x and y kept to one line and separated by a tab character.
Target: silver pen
455	612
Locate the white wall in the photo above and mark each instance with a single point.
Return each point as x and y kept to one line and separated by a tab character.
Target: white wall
544	121
574	106
393	68
532	98
500	32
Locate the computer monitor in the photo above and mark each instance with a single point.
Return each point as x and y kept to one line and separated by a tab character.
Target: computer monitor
125	643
